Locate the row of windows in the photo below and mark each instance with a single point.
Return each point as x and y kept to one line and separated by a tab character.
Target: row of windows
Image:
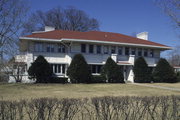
40	47
133	51
95	69
58	68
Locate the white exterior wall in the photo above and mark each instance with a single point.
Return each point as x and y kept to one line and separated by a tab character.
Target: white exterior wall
91	58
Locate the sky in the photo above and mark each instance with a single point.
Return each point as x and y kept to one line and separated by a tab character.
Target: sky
122	16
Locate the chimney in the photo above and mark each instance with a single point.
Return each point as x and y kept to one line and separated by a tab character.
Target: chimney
142	35
49	28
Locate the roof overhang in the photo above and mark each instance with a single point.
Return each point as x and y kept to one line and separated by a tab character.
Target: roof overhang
116	43
94	41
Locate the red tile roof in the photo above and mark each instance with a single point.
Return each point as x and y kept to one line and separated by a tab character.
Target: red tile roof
93	35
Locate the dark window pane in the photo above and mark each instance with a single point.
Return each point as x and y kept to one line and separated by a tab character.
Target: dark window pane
120	50
113	49
83	48
145	52
126	51
133	51
106	49
93	68
99	68
98	49
152	53
139	52
63	68
91	48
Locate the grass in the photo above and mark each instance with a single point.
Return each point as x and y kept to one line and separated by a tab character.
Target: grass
172	85
28	91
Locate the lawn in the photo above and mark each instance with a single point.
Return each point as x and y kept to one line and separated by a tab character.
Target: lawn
28	91
172	85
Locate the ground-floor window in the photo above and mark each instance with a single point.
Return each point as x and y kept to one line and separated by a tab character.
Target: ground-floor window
58	68
95	69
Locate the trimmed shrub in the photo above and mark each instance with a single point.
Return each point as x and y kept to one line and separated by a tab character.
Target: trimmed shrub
164	72
178	76
40	70
141	71
98	79
112	72
59	80
78	71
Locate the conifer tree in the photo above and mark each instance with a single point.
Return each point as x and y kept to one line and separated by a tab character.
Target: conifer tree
141	71
40	70
112	72
78	71
164	72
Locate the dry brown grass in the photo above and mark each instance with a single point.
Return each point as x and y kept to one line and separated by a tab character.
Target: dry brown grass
28	91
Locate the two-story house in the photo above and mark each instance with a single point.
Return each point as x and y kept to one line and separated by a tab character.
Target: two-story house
59	47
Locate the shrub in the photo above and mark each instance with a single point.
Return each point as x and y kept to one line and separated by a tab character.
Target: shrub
98	79
78	71
59	80
112	72
164	72
178	76
40	70
141	71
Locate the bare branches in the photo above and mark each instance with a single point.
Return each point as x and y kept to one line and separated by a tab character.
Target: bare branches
65	19
99	108
171	8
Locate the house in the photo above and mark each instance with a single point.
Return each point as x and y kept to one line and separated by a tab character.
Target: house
176	68
59	47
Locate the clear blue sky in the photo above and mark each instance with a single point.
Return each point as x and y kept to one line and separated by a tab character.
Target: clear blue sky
122	16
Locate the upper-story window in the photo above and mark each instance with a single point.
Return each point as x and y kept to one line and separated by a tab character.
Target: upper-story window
98	49
120	50
126	51
61	48
50	48
91	48
113	49
106	49
83	48
39	47
133	51
139	51
145	52
151	53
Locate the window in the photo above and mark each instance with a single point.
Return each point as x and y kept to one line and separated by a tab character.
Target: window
133	51
145	52
91	48
83	48
98	49
61	48
126	51
58	68
95	69
50	48
39	47
151	53
139	51
113	49
119	50
106	49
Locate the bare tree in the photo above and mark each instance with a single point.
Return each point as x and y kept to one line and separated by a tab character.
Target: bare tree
172	9
12	14
174	56
65	19
15	68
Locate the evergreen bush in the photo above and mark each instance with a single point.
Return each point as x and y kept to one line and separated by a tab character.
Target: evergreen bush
141	71
112	72
78	71
40	70
164	72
